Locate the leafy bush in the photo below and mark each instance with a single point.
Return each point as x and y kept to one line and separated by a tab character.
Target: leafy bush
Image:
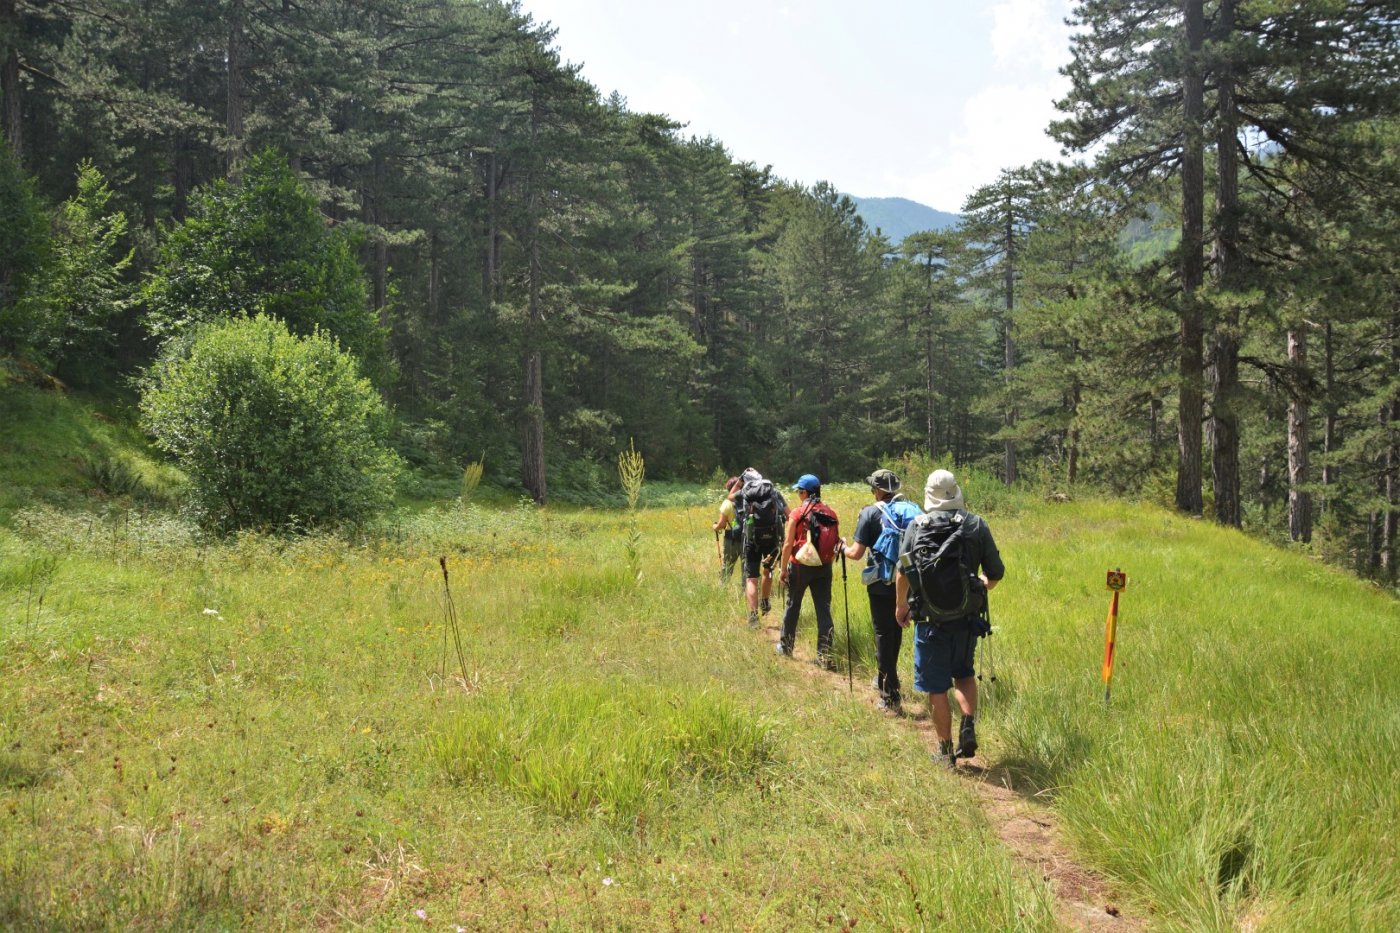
274	431
83	287
262	247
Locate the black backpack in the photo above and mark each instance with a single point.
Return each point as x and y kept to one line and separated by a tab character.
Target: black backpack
760	505
937	566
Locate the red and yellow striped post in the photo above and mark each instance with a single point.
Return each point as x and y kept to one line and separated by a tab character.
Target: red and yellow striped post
1117	583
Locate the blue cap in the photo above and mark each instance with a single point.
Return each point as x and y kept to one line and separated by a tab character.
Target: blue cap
807	482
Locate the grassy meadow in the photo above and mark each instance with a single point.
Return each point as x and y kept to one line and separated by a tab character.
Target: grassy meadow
281	733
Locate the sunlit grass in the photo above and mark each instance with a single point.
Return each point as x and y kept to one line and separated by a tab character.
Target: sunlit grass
277	732
271	732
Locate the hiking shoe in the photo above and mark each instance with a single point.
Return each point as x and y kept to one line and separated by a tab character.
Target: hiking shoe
967	737
753	620
783	650
765	606
944	757
891	705
825	661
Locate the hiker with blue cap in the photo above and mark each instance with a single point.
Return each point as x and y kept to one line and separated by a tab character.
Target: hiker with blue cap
809	546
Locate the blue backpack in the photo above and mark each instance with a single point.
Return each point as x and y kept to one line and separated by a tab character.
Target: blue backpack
894	518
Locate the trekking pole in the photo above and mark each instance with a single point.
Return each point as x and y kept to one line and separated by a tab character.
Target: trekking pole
451	612
991	656
846	602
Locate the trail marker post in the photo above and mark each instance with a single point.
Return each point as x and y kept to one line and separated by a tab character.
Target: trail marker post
1117	583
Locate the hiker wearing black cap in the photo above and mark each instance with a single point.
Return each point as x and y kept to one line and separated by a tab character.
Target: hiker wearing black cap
879	530
947	564
809	546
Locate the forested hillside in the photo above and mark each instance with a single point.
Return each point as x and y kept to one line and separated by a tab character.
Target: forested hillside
896	218
532	275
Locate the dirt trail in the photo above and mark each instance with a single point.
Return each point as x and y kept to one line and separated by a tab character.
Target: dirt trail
1083	900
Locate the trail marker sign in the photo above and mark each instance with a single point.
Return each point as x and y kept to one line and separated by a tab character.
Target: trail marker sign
1117	583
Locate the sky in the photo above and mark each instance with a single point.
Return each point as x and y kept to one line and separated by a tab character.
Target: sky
921	99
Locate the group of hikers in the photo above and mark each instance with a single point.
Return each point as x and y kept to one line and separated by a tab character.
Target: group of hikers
929	567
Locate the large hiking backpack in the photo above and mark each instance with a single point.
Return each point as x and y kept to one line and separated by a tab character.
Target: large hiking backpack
936	565
760	505
894	518
818	524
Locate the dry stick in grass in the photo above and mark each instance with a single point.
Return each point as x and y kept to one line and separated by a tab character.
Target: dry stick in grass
452	627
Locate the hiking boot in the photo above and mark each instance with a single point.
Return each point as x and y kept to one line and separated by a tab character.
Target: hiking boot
890	704
944	757
825	661
967	737
783	650
765	606
753	620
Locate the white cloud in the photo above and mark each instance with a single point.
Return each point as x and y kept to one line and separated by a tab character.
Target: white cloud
678	96
1030	33
1003	126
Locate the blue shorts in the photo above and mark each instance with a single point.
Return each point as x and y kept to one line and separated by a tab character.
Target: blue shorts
942	654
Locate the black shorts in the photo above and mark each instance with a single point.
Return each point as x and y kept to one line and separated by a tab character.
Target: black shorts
761	548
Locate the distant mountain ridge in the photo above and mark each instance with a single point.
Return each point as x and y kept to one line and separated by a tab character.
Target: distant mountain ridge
899	217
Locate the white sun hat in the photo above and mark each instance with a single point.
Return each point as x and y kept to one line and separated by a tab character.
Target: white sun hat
942	493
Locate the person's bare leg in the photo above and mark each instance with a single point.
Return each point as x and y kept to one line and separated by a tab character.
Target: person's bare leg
966	690
751	593
941	716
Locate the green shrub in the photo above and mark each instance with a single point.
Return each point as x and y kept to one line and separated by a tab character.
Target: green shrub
261	246
274	431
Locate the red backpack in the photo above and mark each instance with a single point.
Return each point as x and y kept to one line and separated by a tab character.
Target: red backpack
816	519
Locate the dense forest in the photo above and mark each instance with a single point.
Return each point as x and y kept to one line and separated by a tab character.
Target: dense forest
1204	308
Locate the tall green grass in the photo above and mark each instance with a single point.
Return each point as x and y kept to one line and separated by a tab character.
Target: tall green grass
610	746
1245	768
266	732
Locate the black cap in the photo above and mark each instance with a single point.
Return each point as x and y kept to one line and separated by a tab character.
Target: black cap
884	480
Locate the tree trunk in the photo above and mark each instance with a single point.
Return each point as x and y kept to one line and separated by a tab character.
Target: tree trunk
435	278
493	241
1329	417
379	268
1189	393
182	176
1076	398
1299	501
532	423
932	424
10	101
532	427
1390	483
233	154
1009	344
1225	422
